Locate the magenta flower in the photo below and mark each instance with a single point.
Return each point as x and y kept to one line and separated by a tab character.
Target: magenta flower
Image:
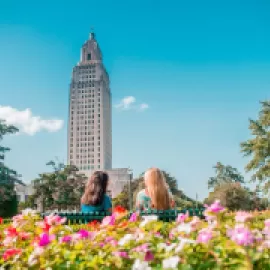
204	236
182	217
122	254
241	235
133	217
109	220
66	239
45	239
242	216
215	207
84	234
149	256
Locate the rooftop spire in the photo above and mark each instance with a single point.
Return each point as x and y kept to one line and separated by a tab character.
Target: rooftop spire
92	33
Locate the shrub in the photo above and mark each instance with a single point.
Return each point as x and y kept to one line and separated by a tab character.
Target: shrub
223	241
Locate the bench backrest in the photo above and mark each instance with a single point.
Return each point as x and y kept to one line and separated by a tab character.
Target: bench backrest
167	215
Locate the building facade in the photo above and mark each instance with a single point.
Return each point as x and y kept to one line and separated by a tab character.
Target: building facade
90	112
118	178
23	191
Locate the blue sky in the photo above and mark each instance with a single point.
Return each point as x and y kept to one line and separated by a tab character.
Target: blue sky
201	66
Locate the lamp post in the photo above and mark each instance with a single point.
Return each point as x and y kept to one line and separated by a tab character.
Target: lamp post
129	188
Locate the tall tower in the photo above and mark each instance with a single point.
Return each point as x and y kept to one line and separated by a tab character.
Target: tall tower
90	116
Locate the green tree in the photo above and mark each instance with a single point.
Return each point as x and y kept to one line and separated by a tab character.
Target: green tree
231	195
236	197
258	148
8	177
61	189
224	174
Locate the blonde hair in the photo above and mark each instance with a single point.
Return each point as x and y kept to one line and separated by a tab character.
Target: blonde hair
157	189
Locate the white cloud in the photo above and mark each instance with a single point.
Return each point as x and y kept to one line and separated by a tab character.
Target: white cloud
128	103
143	107
27	122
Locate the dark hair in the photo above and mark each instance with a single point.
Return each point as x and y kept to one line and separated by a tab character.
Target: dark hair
95	189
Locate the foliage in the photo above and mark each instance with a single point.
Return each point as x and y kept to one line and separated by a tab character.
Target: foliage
224	174
232	195
138	184
8	177
60	189
258	148
224	241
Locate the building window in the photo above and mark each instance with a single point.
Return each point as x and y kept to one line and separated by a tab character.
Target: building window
89	56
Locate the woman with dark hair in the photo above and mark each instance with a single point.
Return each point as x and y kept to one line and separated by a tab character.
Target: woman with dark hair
95	197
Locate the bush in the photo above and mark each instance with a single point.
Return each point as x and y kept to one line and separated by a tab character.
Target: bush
9	207
224	241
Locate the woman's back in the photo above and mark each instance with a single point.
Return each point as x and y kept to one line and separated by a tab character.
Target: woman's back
95	197
106	205
143	200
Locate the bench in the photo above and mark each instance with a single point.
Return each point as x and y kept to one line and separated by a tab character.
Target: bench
167	215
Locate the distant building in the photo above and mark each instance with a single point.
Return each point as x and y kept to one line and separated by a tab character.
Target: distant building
90	112
118	179
23	191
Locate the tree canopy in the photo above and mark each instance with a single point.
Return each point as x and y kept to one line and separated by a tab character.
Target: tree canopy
8	177
258	148
224	175
236	197
60	189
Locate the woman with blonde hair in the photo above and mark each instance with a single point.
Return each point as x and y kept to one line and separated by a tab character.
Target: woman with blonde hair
156	194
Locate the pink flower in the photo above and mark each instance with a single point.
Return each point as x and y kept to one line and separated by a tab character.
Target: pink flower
204	236
108	239
45	239
195	221
241	235
114	243
267	223
54	220
84	234
111	241
242	216
109	220
149	256
182	217
142	248
8	241
215	207
66	239
133	217
122	254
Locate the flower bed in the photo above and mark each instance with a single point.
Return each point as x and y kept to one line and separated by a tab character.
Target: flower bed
223	241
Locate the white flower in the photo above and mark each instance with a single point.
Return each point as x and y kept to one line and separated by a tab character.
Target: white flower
29	212
147	219
140	265
170	263
183	241
167	248
184	227
32	260
127	238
